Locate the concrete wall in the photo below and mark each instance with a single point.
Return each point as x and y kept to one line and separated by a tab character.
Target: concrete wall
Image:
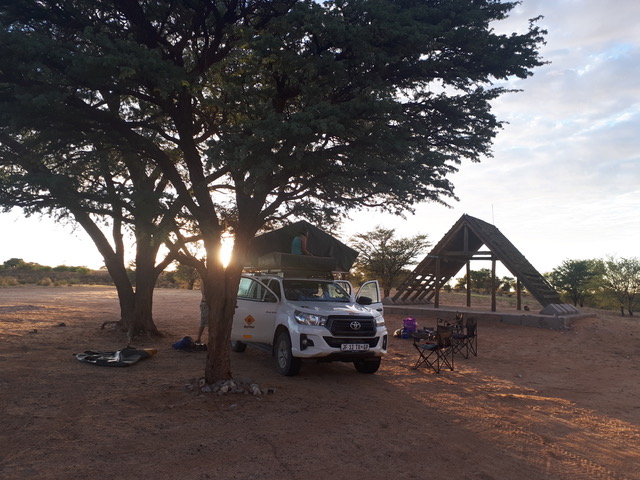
551	322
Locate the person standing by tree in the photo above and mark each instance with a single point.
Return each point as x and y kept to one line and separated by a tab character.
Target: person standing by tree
204	313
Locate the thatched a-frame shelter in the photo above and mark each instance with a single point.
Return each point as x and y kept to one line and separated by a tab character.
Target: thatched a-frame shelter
457	248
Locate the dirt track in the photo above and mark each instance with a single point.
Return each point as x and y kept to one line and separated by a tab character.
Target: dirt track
534	404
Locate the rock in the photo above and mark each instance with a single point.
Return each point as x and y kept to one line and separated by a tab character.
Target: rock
238	386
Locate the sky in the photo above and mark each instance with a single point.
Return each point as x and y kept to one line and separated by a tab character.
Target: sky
564	179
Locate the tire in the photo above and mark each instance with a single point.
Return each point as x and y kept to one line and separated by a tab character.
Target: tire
368	366
286	363
238	346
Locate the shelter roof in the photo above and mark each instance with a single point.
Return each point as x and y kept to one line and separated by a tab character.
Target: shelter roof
461	244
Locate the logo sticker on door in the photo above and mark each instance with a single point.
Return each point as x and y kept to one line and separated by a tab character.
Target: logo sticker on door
249	321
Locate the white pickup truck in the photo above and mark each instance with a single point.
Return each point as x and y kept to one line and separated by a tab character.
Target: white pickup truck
310	318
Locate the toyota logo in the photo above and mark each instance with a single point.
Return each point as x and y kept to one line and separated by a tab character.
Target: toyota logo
355	325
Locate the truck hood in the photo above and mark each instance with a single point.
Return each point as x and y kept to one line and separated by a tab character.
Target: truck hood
333	308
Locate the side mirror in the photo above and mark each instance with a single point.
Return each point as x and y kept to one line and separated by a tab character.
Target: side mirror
364	301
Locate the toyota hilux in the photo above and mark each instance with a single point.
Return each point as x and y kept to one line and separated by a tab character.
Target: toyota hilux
317	319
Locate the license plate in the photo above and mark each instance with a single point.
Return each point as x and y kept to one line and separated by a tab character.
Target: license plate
354	347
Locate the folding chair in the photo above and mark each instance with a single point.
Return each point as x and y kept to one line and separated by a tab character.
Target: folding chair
467	343
456	323
435	353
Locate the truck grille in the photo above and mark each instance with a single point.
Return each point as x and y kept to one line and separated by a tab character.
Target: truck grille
351	326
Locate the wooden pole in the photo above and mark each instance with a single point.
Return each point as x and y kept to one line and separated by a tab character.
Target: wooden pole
468	283
493	284
436	303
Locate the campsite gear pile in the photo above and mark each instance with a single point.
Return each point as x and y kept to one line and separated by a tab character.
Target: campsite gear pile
188	345
409	326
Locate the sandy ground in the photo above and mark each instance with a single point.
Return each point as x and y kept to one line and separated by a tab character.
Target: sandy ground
534	404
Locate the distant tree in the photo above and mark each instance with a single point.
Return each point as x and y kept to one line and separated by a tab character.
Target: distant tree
622	277
481	280
506	284
384	257
258	111
186	275
577	278
14	263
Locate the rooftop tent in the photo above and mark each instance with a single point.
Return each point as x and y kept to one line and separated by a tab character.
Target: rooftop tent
319	243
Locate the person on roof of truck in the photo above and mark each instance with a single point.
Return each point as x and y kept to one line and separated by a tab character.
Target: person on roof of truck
299	243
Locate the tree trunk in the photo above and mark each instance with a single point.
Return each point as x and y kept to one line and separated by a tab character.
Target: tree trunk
142	321
221	292
135	306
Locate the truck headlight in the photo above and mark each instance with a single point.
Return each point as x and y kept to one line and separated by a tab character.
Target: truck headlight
379	321
309	318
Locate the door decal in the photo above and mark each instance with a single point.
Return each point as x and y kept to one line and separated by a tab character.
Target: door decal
249	322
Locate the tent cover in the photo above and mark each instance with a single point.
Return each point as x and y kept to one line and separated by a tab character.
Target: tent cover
319	243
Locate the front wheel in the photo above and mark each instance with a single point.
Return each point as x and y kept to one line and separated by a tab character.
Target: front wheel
370	365
286	363
237	346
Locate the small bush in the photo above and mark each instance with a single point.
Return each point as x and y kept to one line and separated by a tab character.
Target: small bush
45	282
8	281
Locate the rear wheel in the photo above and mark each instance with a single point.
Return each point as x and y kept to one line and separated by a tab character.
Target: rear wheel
286	363
237	346
370	365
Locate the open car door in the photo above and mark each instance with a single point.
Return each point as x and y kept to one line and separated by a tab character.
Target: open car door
371	289
346	284
255	315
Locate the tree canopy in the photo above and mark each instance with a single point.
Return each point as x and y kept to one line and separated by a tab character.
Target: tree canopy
622	278
255	110
384	257
577	278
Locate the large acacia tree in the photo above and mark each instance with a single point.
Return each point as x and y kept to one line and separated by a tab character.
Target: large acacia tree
258	110
110	194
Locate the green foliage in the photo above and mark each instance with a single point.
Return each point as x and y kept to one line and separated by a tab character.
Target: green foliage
579	279
507	284
337	102
20	272
185	276
384	257
15	263
622	279
481	282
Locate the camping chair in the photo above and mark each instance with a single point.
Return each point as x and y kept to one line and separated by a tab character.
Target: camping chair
467	343
456	323
437	352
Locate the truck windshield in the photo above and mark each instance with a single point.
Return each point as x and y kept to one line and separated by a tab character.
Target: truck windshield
314	290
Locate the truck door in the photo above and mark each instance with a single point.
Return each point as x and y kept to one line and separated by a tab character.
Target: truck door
371	289
346	285
255	315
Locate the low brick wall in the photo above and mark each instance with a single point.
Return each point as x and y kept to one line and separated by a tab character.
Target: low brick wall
551	322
